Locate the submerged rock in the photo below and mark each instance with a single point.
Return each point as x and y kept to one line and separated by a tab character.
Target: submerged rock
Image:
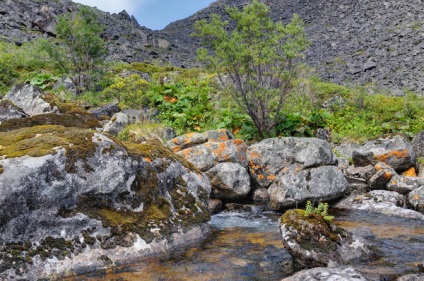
315	242
327	274
70	197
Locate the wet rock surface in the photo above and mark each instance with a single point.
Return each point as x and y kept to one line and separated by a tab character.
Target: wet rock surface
327	274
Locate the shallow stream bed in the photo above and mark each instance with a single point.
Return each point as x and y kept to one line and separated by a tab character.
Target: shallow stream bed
247	245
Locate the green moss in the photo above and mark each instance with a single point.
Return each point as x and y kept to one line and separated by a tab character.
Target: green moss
42	140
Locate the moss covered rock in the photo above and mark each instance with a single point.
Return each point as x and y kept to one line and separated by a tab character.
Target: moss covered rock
64	189
315	242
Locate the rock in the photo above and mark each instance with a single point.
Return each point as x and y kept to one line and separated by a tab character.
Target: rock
333	103
10	111
269	157
345	150
63	189
107	110
404	184
411	277
215	206
260	196
396	152
384	202
416	199
364	232
418	144
327	274
205	150
30	99
315	242
230	181
297	186
383	175
118	122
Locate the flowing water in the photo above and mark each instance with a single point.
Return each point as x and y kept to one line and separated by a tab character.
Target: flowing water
246	245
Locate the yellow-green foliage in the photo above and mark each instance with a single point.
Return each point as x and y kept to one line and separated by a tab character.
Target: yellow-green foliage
141	132
321	210
128	91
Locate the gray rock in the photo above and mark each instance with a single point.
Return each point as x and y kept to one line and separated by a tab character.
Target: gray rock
296	187
416	199
404	184
396	152
118	122
384	202
345	149
87	189
327	274
205	150
383	175
364	232
214	206
411	277
230	181
10	111
107	110
260	196
418	144
30	99
269	157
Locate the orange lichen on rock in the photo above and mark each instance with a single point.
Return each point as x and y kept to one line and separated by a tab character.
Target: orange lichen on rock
148	160
271	177
411	172
260	177
387	175
392	154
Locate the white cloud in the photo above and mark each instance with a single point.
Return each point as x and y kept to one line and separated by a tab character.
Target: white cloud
114	6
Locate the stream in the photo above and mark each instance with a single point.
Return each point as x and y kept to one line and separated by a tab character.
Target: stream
246	245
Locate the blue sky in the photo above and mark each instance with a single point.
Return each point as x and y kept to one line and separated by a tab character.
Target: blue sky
154	14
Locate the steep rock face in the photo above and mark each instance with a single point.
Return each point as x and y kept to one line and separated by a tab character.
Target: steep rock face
360	41
352	41
73	200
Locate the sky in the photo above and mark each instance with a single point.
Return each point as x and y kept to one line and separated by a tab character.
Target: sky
153	14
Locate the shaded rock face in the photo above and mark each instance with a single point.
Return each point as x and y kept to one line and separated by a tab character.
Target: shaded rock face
66	190
416	199
327	273
295	170
396	152
418	144
314	242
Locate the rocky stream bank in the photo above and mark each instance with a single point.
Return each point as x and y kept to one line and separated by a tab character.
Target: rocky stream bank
75	200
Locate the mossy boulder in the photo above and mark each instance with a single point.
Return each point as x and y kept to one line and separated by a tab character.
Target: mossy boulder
314	241
65	189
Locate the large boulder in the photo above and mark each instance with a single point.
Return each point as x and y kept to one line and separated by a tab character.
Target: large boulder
327	274
230	181
314	241
389	203
31	99
396	152
295	170
404	184
205	150
73	200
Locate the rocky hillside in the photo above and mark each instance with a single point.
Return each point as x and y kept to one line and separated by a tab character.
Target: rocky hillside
361	41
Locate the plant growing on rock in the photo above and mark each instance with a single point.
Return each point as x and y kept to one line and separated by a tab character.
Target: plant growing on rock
321	210
256	62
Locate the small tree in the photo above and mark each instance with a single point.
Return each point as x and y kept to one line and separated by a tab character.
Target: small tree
81	48
256	62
